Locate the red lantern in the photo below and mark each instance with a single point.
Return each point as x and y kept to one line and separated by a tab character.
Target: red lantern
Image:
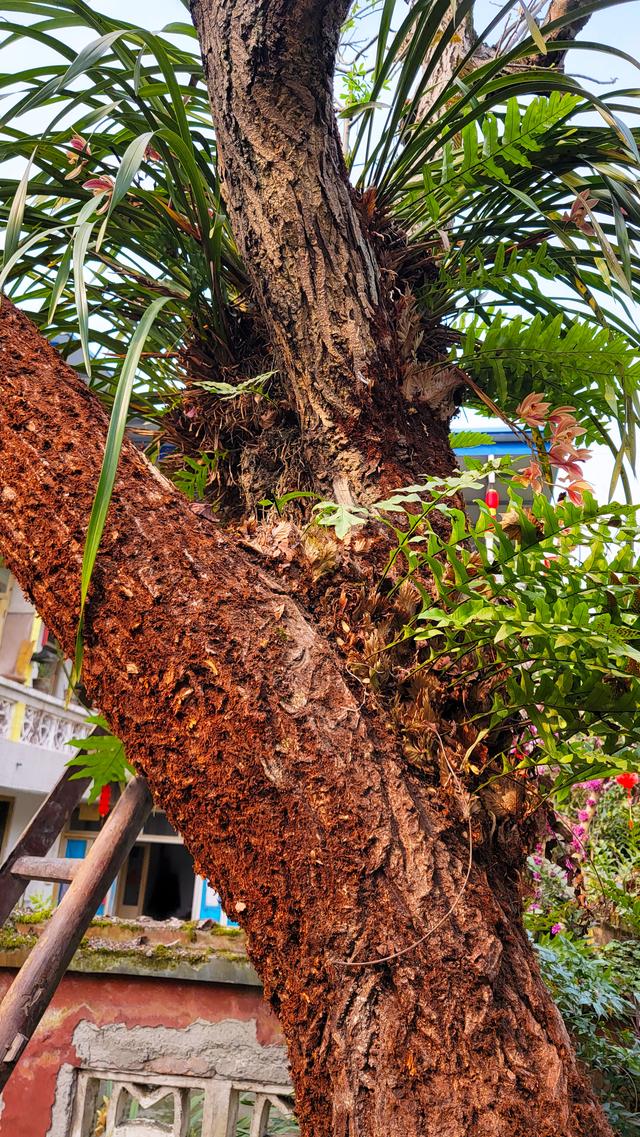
492	499
628	780
104	801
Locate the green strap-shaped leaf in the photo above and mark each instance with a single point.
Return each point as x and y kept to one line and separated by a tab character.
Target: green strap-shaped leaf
16	214
90	55
41	235
113	446
80	246
129	167
60	282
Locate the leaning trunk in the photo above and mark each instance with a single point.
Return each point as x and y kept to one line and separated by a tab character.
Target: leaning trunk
393	956
383	920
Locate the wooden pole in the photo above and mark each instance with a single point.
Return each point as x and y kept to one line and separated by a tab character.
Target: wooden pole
38	837
31	991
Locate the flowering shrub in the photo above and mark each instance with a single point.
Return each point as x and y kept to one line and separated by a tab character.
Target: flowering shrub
584	916
597	999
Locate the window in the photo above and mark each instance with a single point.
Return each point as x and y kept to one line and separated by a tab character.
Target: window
158	877
157	881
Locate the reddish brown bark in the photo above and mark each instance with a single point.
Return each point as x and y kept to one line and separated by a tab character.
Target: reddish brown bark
290	794
288	784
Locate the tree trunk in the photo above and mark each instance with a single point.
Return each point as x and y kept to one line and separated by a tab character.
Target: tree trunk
290	795
385	926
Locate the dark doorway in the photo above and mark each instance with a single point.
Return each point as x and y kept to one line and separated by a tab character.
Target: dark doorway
169	888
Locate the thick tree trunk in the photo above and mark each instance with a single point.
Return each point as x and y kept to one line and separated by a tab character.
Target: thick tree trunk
384	925
330	309
290	795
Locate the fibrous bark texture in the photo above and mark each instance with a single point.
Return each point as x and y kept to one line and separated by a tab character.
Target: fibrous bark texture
290	795
269	67
270	70
388	939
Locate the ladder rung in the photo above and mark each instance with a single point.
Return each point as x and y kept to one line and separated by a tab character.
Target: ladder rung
51	869
40	835
32	989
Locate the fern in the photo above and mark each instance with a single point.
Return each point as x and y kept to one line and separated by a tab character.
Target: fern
494	154
506	271
100	757
595	369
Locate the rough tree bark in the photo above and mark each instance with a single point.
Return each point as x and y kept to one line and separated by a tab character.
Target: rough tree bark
385	925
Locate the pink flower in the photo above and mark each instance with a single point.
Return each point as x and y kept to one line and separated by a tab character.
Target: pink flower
561	412
567	458
79	146
584	814
557	928
101	185
580	210
565	425
576	490
531	476
533	410
579	831
77	156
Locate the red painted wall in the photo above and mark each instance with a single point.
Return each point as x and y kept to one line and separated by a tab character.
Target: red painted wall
106	999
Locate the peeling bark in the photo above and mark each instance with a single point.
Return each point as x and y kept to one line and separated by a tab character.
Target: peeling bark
290	794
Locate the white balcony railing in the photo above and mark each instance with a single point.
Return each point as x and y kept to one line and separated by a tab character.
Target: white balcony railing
30	716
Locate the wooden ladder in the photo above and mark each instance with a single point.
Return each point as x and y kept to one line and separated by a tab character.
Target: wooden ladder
33	987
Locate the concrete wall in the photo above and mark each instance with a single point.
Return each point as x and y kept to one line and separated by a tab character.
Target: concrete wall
138	1024
29	768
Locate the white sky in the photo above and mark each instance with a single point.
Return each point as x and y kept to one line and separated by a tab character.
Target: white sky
618	26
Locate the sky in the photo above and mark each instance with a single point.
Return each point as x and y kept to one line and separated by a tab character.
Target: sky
618	26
